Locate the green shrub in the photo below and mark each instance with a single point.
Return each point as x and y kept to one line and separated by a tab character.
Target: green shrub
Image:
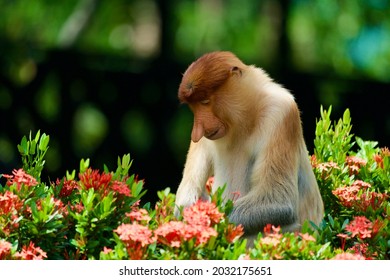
99	214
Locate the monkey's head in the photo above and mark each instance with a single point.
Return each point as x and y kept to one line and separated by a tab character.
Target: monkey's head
204	87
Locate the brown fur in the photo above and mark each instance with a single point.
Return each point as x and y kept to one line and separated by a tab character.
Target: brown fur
247	134
205	75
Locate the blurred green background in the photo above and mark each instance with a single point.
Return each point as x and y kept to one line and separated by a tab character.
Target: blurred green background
101	77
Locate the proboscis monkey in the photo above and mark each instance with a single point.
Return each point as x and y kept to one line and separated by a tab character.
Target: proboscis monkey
247	133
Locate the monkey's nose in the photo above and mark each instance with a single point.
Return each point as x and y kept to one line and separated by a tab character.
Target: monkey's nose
197	133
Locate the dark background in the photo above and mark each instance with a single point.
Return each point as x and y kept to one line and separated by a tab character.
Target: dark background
101	77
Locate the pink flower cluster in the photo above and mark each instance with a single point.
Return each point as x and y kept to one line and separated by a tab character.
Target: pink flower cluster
324	168
198	222
359	196
5	250
30	252
198	225
20	177
136	237
354	164
348	256
10	203
361	228
384	152
96	180
272	235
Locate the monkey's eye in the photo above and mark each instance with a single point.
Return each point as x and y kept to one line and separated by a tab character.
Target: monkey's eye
205	101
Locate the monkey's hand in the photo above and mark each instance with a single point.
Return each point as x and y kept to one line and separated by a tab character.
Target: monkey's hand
255	215
183	201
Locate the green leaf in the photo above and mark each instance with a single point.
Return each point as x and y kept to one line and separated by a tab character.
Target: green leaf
84	164
345	223
346	117
36	136
23	147
70	176
44	142
33	145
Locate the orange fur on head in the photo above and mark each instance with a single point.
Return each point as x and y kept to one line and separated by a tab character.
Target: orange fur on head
206	74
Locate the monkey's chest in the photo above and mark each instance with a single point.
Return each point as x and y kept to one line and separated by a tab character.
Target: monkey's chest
235	173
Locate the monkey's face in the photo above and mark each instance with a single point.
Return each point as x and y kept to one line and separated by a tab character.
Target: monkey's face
206	123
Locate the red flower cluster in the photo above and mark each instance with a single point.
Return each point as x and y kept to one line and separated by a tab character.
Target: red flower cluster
197	224
93	179
5	249
372	199
67	188
349	194
10	203
172	233
135	233
363	229
362	250
31	252
359	197
202	213
360	227
354	164
102	181
121	188
139	215
324	168
272	235
348	256
136	238
20	177
385	152
234	232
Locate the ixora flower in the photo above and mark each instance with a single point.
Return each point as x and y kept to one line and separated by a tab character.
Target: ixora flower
175	232
68	186
354	164
93	179
31	252
360	226
136	237
384	152
352	196
102	182
307	237
198	220
234	232
272	235
5	249
139	215
171	233
20	177
326	167
133	234
10	203
348	256
202	213
121	188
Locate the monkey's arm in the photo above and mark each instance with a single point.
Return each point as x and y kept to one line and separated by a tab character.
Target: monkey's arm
255	211
197	170
273	194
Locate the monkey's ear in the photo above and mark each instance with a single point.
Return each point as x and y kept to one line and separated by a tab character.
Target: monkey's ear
235	70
